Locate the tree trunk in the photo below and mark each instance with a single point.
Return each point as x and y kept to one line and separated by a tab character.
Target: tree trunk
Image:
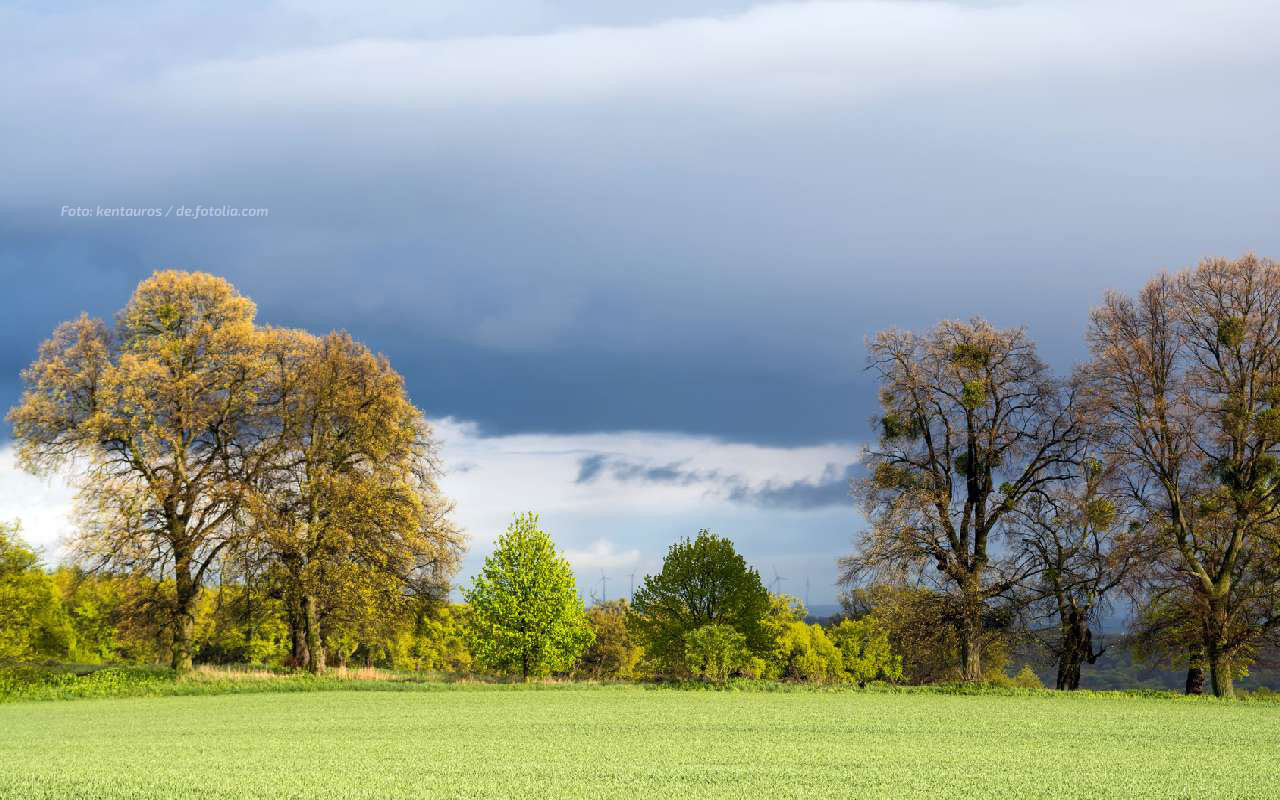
971	645
1076	650
1195	670
1068	671
184	621
299	655
1072	651
1220	674
315	647
1219	659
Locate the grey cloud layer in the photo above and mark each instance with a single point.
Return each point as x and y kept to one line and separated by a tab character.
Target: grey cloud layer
831	490
584	216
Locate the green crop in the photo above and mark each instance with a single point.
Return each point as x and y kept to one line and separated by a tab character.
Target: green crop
619	741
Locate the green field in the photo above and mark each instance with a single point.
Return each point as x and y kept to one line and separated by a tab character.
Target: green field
603	742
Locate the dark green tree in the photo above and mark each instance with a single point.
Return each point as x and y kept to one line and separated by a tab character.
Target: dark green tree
703	581
526	615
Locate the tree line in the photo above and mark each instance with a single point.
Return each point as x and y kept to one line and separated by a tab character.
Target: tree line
254	493
706	616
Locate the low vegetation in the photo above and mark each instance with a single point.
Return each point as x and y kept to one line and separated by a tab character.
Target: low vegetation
580	741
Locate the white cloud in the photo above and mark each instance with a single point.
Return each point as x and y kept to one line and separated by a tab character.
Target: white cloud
504	475
602	554
493	477
620	525
774	55
41	505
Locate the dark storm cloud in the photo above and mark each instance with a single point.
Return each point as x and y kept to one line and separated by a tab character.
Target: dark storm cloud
830	490
593	467
833	489
551	224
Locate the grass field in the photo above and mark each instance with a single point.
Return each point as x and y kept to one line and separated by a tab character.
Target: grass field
604	742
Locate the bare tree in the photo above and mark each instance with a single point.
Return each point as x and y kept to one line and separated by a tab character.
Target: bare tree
972	425
1185	380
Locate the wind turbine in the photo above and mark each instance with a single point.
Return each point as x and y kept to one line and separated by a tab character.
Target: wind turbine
631	598
604	587
777	581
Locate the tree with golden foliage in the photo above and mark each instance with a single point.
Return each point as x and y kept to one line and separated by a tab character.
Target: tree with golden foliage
156	418
349	505
972	425
1185	382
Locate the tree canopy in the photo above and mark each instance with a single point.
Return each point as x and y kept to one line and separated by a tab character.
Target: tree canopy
703	581
526	615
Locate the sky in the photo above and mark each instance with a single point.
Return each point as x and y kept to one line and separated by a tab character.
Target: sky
627	254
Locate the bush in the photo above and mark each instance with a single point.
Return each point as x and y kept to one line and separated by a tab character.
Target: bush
437	642
1027	679
33	624
34	683
613	654
921	629
805	653
867	654
714	652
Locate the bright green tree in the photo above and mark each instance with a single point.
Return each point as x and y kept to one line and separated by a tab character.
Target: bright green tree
526	615
703	581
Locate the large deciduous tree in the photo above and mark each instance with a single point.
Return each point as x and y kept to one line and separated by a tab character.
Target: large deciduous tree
349	505
703	581
158	419
526	615
1185	378
971	425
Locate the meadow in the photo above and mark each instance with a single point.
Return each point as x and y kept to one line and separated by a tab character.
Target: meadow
584	741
